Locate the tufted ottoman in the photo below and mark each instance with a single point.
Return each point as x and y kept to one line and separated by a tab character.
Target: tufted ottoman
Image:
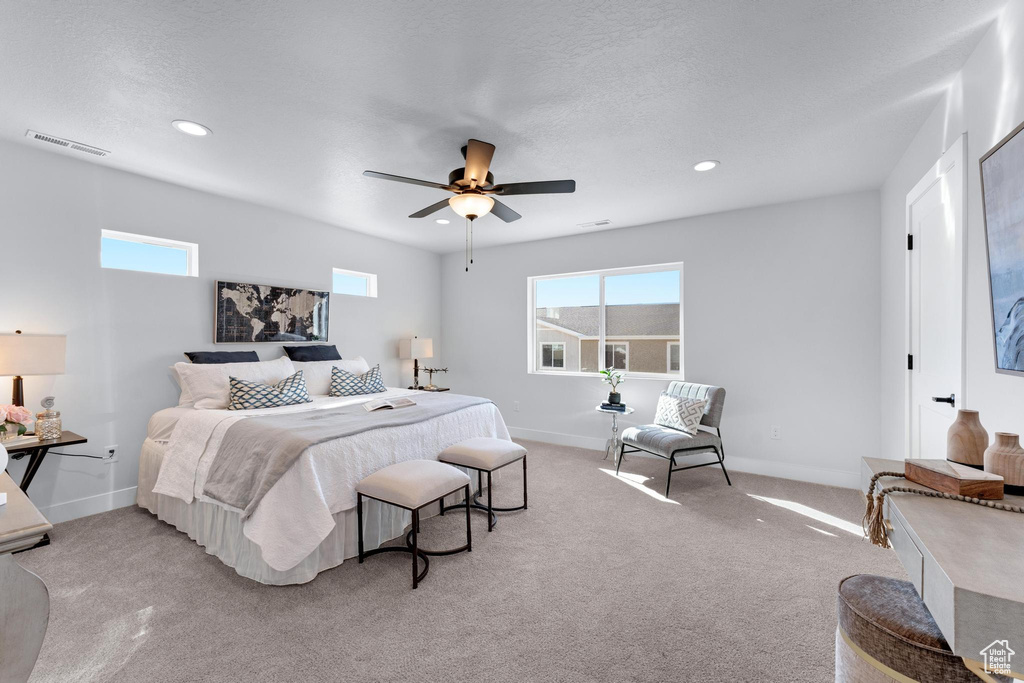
886	633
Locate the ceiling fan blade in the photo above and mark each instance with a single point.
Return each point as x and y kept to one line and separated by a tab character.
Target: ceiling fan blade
504	213
403	179
423	213
478	161
542	187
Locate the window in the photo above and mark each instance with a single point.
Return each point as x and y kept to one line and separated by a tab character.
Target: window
125	251
629	319
616	355
354	283
673	356
552	355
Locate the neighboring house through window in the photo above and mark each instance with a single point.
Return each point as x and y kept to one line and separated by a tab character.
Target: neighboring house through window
629	319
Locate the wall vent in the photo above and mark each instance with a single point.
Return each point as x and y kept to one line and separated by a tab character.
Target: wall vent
66	144
594	224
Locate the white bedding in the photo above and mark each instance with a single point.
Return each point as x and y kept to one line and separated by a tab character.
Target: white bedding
296	514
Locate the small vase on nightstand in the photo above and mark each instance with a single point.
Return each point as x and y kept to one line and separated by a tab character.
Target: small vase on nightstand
967	440
1005	457
614	398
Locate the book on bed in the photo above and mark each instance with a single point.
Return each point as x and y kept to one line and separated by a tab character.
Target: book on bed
386	403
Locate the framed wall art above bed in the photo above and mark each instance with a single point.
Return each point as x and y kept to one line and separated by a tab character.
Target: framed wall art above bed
248	313
1002	190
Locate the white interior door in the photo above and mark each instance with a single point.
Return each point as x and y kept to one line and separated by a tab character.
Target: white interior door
935	225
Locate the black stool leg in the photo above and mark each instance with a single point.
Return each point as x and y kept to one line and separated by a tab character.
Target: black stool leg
525	507
490	508
668	483
415	550
618	463
469	524
359	523
442	506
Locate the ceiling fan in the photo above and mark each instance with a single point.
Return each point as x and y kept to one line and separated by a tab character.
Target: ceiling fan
474	190
473	186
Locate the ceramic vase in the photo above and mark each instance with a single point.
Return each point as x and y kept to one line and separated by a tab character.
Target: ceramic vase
614	398
967	440
1005	457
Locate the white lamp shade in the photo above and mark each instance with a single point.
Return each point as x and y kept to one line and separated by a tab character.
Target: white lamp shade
471	204
416	348
32	354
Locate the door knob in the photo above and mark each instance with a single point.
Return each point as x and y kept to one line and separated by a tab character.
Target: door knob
951	399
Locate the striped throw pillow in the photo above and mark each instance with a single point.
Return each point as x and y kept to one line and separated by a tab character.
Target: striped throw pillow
246	395
683	414
347	384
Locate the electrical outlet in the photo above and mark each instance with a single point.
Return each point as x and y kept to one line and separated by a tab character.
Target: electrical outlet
515	406
776	432
111	454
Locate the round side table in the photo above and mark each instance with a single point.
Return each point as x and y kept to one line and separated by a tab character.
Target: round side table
612	448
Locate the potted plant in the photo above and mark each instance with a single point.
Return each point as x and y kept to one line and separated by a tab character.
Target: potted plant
614	378
13	421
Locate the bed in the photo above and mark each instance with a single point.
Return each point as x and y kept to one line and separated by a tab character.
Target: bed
306	522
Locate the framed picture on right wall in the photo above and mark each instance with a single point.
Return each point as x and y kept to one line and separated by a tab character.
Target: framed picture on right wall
1002	191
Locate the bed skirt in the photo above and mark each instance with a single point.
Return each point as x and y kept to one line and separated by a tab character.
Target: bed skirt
219	529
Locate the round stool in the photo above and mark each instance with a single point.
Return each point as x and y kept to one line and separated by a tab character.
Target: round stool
886	633
485	454
412	485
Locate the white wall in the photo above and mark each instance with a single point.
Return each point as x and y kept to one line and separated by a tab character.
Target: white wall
780	308
125	328
986	102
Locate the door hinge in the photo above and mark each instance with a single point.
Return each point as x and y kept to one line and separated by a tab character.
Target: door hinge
910	361
910	242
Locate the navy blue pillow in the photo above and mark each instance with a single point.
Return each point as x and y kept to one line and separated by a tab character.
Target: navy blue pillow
304	354
222	356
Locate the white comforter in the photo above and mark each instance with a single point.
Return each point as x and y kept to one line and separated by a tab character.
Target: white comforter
297	513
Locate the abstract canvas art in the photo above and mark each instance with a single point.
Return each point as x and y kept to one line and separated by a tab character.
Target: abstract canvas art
247	313
1002	178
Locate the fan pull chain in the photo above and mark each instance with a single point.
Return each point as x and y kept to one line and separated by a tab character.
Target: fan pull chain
468	223
470	242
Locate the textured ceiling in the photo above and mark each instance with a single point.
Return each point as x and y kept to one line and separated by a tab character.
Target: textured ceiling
797	99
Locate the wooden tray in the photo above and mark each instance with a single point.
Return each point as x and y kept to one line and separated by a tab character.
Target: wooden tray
951	477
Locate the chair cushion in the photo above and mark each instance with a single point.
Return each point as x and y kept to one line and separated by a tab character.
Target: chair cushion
413	483
483	453
887	619
664	441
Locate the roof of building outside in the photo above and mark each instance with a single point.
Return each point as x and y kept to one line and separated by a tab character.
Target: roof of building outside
635	320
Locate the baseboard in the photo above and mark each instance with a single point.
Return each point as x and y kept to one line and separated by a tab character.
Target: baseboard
91	505
768	468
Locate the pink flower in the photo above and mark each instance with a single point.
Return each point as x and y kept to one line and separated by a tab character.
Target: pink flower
19	414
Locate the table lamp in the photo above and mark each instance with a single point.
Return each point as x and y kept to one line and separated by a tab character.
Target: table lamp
30	354
416	348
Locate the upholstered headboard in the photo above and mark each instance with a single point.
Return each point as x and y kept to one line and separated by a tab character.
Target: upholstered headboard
715	396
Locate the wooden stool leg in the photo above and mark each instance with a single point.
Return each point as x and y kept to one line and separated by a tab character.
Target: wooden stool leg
359	523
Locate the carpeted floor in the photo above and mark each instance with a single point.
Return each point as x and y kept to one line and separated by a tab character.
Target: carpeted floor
598	581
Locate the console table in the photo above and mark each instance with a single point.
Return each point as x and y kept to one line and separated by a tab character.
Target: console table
966	561
25	607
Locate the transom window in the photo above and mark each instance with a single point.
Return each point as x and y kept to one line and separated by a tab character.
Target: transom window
627	319
354	283
128	251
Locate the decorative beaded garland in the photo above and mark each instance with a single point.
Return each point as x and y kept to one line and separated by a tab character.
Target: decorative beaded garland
873	524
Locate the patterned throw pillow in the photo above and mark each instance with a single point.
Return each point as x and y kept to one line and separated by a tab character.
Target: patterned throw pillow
246	395
683	414
347	384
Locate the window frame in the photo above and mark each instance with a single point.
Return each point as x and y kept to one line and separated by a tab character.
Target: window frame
613	343
191	250
532	366
552	344
668	355
371	282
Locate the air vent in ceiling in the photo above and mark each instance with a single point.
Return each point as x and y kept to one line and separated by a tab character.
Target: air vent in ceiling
594	224
66	144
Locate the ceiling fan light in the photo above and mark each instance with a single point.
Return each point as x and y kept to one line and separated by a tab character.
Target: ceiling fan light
471	204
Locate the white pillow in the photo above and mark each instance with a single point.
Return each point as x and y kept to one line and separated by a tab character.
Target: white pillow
185	399
683	414
207	384
318	372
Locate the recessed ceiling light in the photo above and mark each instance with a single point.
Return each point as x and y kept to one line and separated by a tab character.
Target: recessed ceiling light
191	127
442	221
705	165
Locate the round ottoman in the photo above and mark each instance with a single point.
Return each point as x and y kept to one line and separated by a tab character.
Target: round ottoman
886	633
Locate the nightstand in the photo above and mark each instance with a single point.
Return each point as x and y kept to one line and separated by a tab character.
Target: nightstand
37	450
